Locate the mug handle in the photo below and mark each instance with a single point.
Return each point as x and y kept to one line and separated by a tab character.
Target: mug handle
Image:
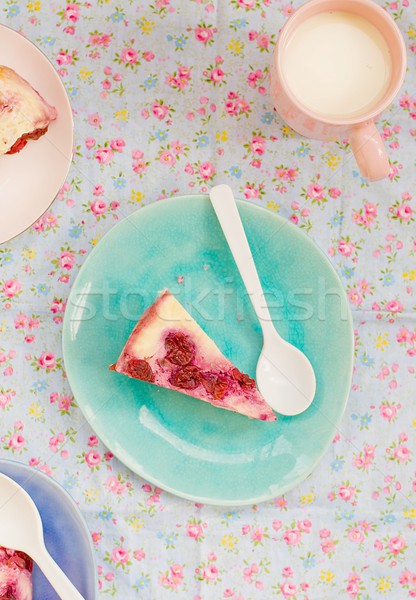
369	151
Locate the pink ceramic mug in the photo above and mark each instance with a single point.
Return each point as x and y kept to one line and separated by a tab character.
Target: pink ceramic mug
313	75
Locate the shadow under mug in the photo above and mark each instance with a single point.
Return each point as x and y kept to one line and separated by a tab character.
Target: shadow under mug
365	141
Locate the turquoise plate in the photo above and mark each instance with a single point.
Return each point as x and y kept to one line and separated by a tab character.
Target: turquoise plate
181	444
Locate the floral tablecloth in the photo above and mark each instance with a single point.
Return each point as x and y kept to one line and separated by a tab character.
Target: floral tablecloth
170	97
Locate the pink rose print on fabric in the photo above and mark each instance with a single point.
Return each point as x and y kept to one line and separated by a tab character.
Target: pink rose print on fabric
168	98
11	288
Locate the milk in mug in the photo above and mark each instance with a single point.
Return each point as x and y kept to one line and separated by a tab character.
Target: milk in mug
337	64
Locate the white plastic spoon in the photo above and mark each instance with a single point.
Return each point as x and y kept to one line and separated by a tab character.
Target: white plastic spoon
21	529
285	376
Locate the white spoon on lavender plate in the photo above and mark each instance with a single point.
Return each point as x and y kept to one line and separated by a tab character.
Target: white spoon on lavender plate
21	529
284	375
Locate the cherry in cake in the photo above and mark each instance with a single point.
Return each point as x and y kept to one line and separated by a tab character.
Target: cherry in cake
24	114
169	349
15	575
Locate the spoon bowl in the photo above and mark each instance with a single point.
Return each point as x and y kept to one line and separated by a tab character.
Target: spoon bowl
285	377
21	529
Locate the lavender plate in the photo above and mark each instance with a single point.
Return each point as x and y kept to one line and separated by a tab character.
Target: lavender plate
67	537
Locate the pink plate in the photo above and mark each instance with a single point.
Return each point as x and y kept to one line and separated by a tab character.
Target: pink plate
30	180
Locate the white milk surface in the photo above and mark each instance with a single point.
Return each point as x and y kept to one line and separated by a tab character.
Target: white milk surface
337	64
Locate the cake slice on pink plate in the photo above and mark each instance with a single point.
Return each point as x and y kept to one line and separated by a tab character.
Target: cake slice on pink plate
169	349
24	114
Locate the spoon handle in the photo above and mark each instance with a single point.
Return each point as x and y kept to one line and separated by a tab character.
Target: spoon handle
56	577
225	207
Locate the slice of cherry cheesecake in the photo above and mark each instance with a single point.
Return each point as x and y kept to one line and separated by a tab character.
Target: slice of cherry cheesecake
15	575
169	349
24	114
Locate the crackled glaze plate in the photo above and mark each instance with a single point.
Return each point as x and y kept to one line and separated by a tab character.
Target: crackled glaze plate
30	179
67	537
181	444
